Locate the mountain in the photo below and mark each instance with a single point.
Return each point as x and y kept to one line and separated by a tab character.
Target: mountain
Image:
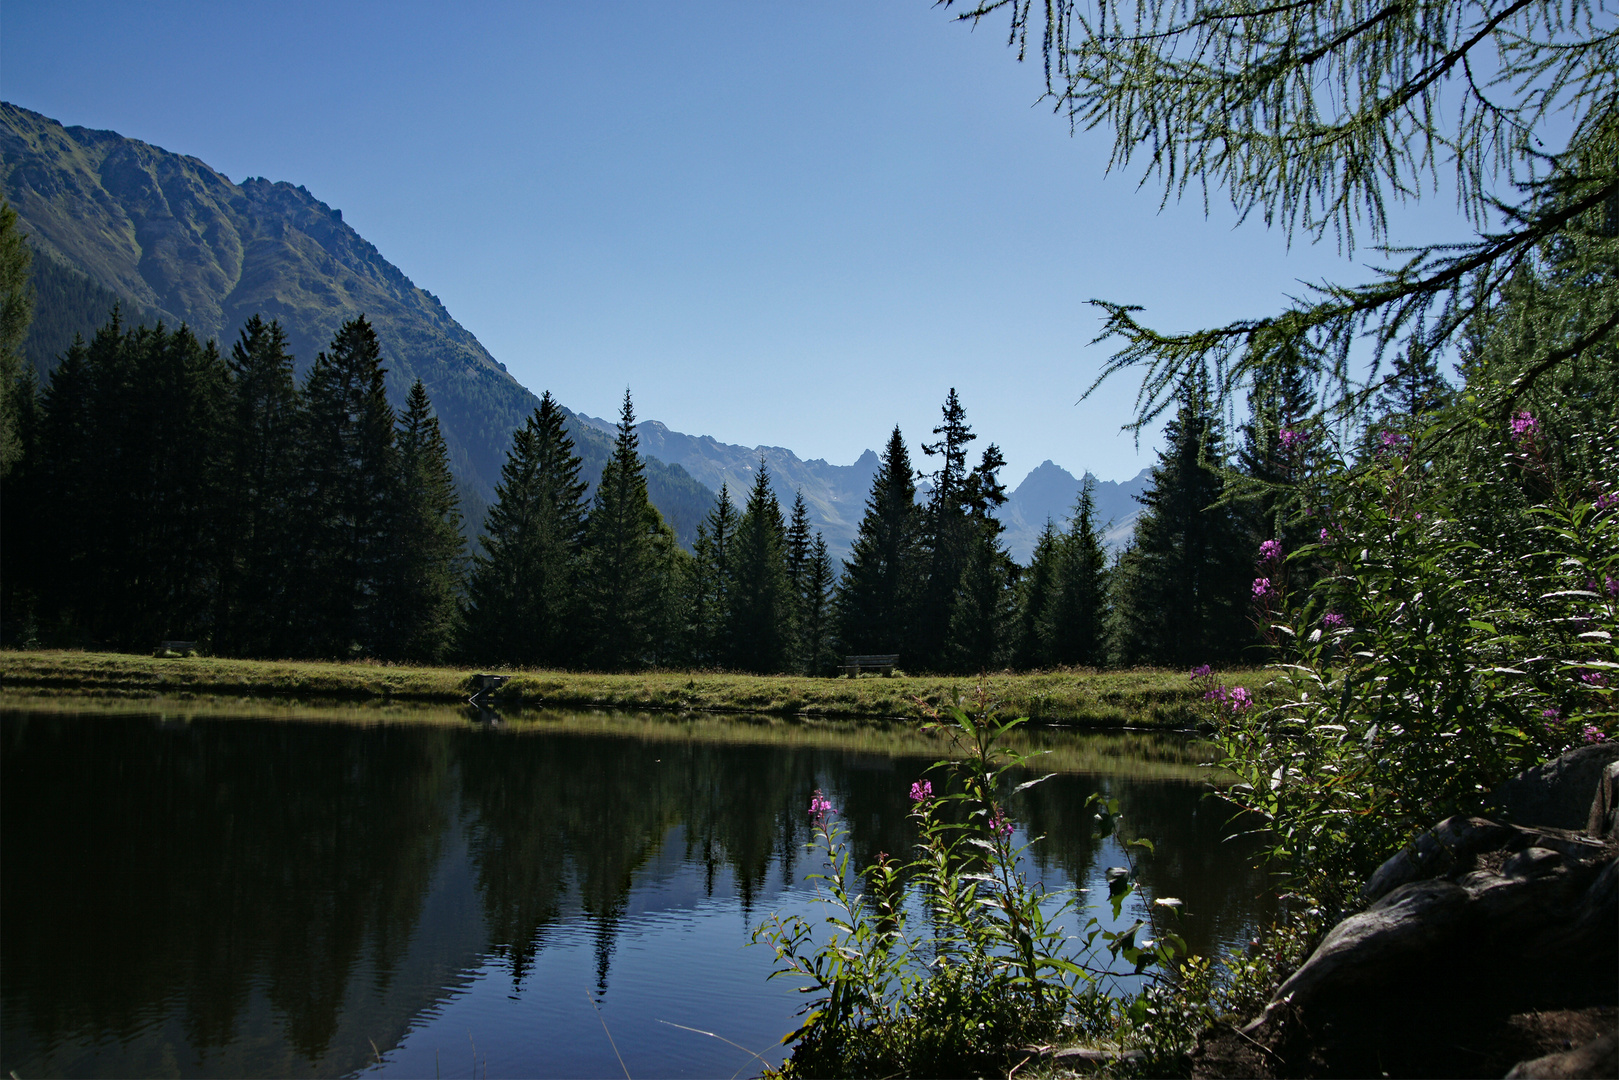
1050	491
834	494
112	219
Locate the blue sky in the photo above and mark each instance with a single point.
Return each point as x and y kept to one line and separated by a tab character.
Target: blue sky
793	224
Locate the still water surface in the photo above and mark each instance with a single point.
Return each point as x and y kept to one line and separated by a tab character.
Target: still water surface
186	893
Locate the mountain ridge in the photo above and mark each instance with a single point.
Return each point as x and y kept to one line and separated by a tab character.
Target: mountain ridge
170	238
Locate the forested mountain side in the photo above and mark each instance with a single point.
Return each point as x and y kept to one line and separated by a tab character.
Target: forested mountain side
113	220
165	236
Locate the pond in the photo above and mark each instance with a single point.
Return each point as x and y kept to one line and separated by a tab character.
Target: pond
225	889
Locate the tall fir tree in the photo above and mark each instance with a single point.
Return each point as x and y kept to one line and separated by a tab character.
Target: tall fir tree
621	590
349	490
428	562
262	464
522	607
1182	587
947	534
1037	590
799	548
762	603
876	601
710	604
1072	624
982	613
815	622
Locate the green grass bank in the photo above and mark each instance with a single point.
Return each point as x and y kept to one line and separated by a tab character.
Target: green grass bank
1133	698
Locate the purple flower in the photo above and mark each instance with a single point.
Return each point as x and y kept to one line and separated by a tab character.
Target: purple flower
1291	437
1333	621
1270	551
1216	694
1392	442
1594	678
819	807
1240	701
1323	536
1607	500
1000	825
1525	429
921	791
1612	585
1262	588
1551	716
1202	672
1594	734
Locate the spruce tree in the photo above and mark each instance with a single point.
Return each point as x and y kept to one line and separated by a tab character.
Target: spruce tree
815	624
762	617
982	612
800	543
1072	623
947	535
350	488
621	587
710	605
262	462
427	567
1182	588
1037	589
876	601
522	605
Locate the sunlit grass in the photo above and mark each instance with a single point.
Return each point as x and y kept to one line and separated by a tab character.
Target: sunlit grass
1134	698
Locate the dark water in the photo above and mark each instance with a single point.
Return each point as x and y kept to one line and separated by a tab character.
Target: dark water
269	897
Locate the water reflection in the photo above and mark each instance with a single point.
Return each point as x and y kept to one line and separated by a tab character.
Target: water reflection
264	897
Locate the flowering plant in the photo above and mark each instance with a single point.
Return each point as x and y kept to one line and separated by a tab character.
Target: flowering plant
991	967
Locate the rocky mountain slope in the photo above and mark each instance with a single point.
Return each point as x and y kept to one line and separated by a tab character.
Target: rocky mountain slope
115	220
167	237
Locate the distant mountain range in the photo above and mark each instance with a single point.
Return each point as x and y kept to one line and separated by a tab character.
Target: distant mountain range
115	220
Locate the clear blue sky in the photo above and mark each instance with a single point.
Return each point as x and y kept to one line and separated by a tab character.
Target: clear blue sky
793	224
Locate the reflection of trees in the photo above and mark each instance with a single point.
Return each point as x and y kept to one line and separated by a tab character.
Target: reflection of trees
192	860
1197	859
146	864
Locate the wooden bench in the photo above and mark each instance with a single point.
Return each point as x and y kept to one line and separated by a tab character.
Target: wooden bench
883	662
184	648
484	685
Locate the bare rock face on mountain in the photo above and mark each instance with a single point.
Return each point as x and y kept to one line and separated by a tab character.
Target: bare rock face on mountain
167	237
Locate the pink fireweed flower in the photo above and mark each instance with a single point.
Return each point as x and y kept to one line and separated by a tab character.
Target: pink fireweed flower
1593	734
1262	588
1000	825
1291	437
1594	678
921	791
1612	584
1607	500
1270	551
1201	672
1333	621
819	808
1240	701
1551	716
1525	429
1217	694
1392	442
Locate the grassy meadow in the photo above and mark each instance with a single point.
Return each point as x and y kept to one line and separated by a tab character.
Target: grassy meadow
1133	698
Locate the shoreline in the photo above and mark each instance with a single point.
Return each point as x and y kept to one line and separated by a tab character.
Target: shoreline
1139	698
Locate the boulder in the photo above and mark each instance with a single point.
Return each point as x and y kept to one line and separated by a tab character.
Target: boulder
1475	922
1559	793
